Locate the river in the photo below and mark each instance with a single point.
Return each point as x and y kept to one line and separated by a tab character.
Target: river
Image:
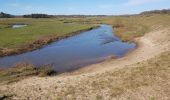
75	52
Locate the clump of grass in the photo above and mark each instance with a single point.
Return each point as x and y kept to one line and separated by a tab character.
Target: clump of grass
24	70
46	71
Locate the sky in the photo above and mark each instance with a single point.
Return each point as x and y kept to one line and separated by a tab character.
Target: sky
81	7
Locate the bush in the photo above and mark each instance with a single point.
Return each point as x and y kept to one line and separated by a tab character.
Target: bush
46	71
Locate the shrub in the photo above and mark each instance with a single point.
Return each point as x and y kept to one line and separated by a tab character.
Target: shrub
46	71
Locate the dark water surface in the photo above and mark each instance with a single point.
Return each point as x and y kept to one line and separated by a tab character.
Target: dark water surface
75	52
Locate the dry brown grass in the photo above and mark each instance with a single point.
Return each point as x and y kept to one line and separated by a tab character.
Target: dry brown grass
130	27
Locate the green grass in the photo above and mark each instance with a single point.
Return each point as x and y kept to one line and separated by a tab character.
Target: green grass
13	38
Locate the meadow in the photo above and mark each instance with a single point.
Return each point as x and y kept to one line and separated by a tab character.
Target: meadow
126	27
14	38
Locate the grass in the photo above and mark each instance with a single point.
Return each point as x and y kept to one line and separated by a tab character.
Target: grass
24	70
129	27
126	27
46	71
14	38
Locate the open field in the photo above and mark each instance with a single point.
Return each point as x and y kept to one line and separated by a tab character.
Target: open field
13	38
39	32
143	74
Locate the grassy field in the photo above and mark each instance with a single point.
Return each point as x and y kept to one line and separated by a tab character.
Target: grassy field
126	27
13	38
129	27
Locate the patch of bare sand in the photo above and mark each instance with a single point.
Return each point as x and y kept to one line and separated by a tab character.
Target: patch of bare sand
97	81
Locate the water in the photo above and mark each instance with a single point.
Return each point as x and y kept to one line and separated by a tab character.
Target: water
75	52
18	25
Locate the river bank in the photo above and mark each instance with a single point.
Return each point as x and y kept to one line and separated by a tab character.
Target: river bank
39	43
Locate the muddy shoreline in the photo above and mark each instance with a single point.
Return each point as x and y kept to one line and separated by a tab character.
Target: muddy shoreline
39	43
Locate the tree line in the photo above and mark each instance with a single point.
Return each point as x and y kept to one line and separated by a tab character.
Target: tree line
5	15
164	11
37	16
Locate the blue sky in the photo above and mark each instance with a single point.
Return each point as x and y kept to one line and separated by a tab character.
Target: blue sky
85	7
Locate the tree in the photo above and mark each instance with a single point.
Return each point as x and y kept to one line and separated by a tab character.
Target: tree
4	15
37	16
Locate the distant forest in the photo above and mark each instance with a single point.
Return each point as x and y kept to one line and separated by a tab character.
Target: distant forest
164	11
5	15
38	16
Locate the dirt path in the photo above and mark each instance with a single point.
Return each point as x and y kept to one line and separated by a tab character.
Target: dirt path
53	88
